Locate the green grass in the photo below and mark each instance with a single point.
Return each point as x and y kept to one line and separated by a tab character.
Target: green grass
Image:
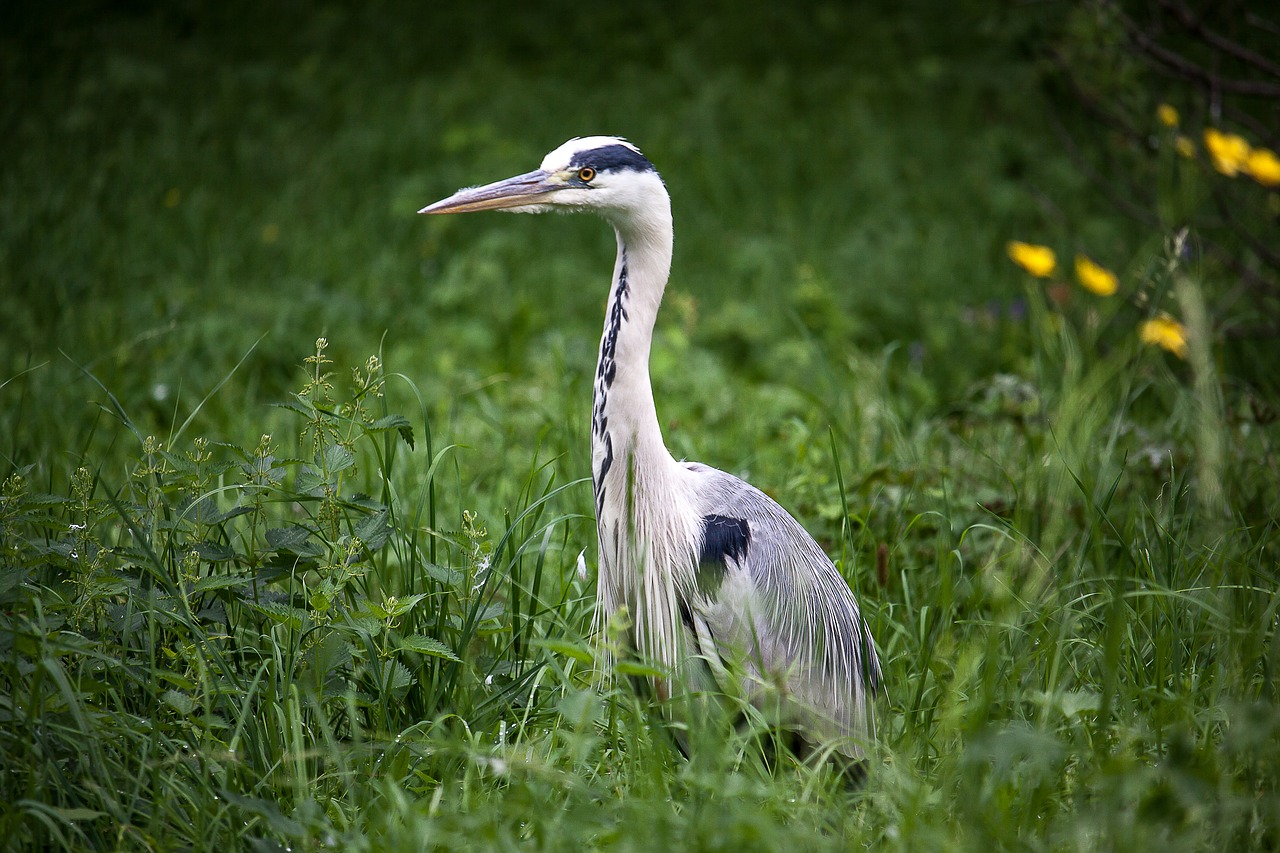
260	592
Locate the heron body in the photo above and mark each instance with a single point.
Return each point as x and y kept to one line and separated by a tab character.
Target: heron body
719	581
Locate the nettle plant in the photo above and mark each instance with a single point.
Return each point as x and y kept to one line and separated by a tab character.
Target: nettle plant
222	587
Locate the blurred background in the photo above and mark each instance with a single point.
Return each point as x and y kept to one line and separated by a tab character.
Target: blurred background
186	185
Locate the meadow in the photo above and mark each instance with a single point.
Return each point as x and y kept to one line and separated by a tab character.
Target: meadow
297	535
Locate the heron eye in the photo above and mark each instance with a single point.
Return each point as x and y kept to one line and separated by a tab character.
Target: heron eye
586	174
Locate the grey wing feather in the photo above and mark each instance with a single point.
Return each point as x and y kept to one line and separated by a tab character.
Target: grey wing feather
784	610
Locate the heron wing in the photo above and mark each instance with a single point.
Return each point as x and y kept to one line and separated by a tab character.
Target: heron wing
769	601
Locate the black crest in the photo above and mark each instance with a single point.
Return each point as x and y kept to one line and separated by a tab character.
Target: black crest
612	158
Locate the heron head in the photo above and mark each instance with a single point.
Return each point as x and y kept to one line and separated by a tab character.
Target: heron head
604	174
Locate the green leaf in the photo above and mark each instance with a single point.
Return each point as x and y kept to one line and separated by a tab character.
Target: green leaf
294	540
628	667
180	702
392	676
203	511
11	577
577	651
215	552
399	606
397	422
363	623
213	722
387	422
422	644
234	512
310	480
44	499
282	614
177	679
451	578
296	407
491	613
374	530
264	469
64	548
333	458
218	582
1076	702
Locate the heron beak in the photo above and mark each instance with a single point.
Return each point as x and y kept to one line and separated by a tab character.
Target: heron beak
525	190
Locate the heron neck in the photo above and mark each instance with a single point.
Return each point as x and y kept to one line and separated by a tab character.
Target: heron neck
624	423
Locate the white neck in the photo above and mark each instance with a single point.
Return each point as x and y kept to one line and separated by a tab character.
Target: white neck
647	526
624	423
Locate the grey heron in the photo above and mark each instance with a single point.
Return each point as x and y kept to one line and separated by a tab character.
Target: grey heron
717	579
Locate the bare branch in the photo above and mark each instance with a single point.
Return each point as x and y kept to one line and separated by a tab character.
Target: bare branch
1228	46
1186	68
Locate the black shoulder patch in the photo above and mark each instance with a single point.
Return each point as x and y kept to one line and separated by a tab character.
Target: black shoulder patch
723	538
615	158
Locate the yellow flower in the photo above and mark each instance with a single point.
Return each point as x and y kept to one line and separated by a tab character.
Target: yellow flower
1184	146
1264	166
1037	260
1164	331
1095	278
1228	151
1168	115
